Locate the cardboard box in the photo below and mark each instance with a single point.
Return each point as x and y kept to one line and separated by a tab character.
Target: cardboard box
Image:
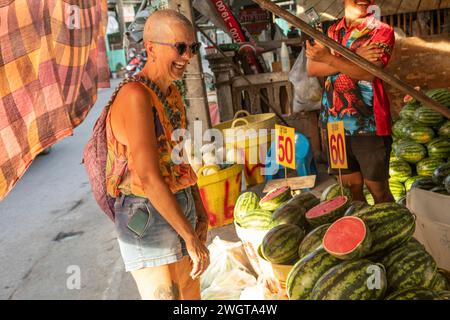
433	223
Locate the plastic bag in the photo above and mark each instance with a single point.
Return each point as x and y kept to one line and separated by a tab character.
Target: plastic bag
229	285
307	90
263	291
225	257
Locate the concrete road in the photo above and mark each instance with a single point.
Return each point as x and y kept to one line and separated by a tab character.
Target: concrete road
52	231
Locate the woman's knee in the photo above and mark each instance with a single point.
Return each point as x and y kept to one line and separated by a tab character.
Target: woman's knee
156	284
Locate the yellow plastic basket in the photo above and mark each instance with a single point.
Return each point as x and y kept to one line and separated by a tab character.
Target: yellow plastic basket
219	192
249	147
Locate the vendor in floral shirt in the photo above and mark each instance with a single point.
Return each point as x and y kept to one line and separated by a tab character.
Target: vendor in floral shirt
356	97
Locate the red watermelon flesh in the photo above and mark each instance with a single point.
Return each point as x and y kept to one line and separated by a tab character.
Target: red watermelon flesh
347	238
328	211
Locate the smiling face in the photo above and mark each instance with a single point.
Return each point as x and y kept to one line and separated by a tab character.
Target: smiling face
358	8
165	59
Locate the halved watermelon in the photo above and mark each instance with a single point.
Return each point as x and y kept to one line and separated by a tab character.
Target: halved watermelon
328	211
275	198
347	238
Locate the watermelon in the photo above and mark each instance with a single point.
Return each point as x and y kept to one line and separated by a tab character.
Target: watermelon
407	112
390	225
248	201
257	219
440	283
425	183
411	152
280	245
305	273
447	183
439	148
290	214
420	134
275	198
409	267
397	128
312	241
348	238
444	130
352	280
333	191
426	167
368	196
440	190
444	295
427	117
400	170
355	207
414	294
402	201
305	199
410	181
441	95
440	173
328	211
397	189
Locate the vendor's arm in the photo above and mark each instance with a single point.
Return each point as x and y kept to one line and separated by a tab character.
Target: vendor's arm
138	124
321	62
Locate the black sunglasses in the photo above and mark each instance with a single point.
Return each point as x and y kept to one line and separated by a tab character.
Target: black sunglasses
182	47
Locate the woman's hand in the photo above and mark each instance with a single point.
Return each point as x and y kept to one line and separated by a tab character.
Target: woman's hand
199	255
370	52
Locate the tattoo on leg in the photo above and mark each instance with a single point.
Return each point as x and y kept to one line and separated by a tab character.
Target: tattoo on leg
171	292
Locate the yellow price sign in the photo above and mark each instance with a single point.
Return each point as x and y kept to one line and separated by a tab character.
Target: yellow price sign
336	145
285	138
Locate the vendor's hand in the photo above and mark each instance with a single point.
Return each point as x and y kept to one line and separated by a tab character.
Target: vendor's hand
201	229
199	255
318	52
370	52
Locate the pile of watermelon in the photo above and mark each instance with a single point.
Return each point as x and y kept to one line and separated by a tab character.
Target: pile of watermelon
421	149
356	252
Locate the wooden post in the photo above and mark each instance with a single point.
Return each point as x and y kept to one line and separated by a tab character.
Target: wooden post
353	57
196	99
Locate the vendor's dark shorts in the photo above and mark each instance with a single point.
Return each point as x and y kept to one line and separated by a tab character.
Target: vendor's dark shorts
369	155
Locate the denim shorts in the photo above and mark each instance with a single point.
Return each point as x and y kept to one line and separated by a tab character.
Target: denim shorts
160	244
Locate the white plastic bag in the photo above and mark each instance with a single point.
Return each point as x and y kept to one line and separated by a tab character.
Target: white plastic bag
307	90
263	291
229	285
225	257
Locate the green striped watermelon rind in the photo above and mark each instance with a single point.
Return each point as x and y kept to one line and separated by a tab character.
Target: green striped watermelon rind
275	198
426	167
410	181
305	273
397	189
444	130
349	281
427	116
414	294
360	250
440	283
312	241
280	245
355	207
329	217
440	173
334	191
400	170
411	152
439	148
420	134
409	266
390	225
257	219
246	202
290	213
